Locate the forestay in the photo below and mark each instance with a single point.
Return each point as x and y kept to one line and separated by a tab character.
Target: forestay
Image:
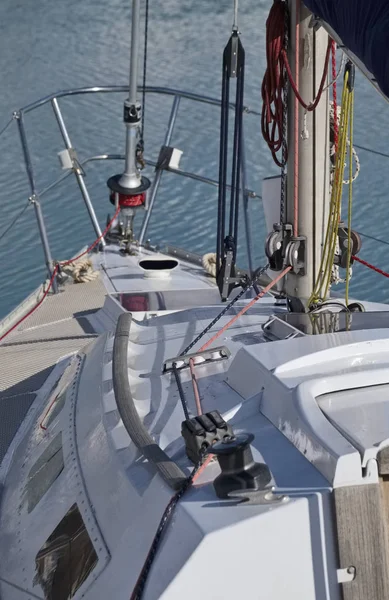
363	27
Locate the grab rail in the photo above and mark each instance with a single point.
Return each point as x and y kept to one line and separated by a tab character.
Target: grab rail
168	469
78	171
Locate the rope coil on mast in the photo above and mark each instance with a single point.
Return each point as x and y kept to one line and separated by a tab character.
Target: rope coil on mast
274	78
335	114
284	245
323	281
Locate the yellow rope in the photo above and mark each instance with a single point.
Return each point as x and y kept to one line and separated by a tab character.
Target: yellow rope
323	281
350	197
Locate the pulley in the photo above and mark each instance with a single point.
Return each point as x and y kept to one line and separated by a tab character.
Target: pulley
341	260
283	249
295	255
273	250
226	244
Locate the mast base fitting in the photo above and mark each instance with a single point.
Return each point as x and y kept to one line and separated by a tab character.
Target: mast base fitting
132	113
239	471
356	245
201	432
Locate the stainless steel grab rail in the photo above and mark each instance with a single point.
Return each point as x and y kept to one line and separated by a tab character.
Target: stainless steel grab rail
77	169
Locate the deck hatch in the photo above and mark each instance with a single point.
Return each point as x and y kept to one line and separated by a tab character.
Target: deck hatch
66	559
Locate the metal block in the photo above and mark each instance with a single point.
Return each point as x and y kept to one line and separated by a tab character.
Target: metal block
211	355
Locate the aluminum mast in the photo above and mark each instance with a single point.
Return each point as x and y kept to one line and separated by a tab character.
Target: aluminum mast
313	152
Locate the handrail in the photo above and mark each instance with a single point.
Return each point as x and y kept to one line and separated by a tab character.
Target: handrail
124	88
77	169
168	469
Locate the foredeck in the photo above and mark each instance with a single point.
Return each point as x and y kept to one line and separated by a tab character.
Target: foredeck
59	327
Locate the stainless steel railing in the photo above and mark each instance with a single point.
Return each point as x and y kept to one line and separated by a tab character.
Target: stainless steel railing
77	167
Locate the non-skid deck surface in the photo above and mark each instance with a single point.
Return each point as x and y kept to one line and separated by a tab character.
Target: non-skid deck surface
57	328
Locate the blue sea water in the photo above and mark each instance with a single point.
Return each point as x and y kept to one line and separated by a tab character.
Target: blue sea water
47	46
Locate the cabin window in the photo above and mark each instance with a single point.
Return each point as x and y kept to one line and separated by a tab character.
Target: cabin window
66	559
44	472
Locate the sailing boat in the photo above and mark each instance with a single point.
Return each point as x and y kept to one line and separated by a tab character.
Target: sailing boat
173	418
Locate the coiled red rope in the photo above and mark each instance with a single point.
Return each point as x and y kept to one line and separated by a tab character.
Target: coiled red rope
314	104
55	272
278	68
274	80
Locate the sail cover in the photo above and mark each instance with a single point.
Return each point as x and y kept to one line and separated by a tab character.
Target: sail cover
363	27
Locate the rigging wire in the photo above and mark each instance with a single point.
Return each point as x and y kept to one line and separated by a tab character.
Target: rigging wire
7	125
236	7
372	151
372	237
14	221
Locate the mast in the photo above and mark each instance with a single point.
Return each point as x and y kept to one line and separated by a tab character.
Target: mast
128	189
132	108
310	152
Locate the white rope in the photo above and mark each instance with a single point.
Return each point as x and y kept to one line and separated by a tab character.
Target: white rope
354	152
209	263
81	271
331	83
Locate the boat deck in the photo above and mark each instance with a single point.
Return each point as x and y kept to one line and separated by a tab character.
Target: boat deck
57	328
62	324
